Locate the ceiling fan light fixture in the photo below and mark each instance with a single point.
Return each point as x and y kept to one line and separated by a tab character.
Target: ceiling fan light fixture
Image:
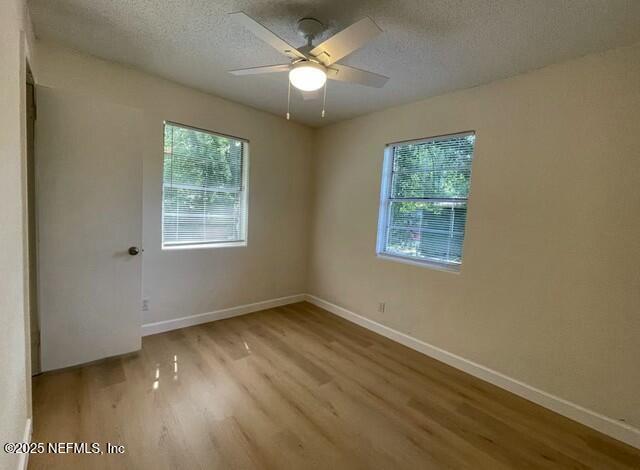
307	76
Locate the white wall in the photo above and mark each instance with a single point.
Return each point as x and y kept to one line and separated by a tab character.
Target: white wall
549	291
185	282
15	379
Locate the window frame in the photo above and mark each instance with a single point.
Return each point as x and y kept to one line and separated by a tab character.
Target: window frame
244	196
386	200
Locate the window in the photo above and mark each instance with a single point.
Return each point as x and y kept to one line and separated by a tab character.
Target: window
204	189
423	208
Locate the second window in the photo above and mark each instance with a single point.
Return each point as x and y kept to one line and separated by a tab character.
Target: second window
423	210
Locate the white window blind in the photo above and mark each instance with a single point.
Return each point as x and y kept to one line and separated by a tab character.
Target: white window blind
204	190
423	208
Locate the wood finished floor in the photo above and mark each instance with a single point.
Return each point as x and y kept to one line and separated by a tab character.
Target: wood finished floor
298	388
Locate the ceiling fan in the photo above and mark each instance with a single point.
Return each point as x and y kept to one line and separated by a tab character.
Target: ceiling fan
310	66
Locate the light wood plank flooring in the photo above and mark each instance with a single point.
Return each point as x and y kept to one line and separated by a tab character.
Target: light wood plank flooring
298	388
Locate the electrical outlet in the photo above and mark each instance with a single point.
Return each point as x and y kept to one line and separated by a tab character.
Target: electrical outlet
381	307
145	305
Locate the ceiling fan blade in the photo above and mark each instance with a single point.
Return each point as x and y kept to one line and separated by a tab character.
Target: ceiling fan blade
345	73
260	70
266	35
346	41
309	95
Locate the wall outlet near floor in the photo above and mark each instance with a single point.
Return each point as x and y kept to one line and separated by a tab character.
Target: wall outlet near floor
145	305
381	307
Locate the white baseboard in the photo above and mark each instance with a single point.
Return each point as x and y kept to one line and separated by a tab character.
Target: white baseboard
183	322
616	429
23	459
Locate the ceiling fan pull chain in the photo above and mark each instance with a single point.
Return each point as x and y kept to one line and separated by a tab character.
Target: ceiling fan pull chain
324	98
288	100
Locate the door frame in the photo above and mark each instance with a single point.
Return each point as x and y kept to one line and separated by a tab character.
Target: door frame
31	223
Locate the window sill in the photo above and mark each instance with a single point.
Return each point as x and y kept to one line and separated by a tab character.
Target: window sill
201	246
449	268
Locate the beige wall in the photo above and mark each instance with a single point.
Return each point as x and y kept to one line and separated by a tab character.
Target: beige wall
15	383
549	291
185	282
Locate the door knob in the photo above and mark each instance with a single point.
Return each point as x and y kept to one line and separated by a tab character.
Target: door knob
134	250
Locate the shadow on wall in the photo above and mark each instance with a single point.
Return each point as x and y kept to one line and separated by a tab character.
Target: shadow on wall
94	24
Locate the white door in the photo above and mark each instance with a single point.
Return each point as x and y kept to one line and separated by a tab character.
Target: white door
89	203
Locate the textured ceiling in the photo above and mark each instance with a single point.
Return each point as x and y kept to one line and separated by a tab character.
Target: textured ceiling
428	47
